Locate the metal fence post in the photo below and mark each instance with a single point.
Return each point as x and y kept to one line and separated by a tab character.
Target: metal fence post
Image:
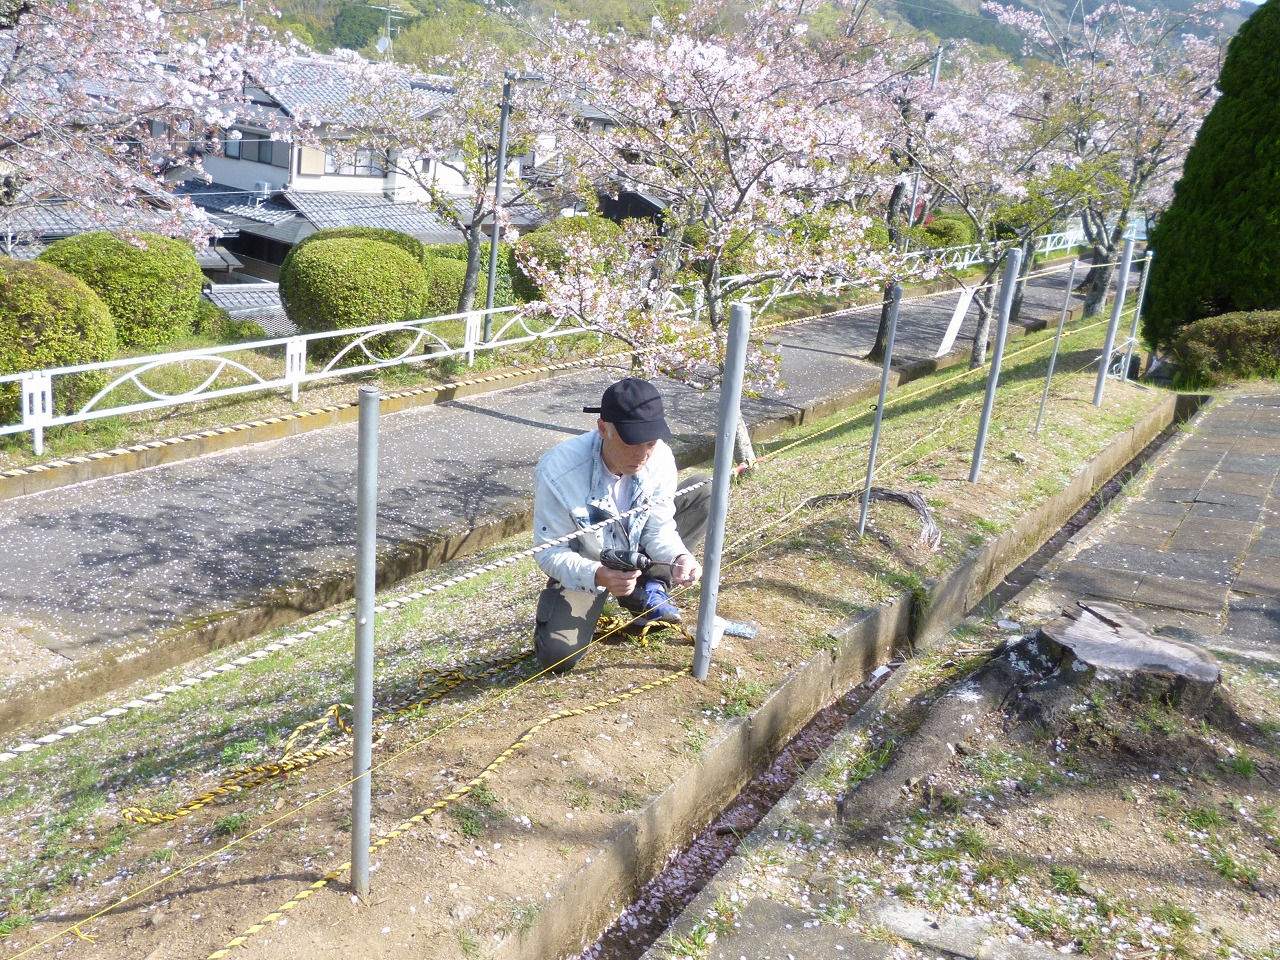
1137	314
1053	357
366	574
1122	288
37	406
896	295
1013	262
295	364
735	361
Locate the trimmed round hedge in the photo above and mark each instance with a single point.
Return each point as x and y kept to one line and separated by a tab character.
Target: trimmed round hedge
49	318
1231	346
344	282
445	287
397	238
950	230
151	284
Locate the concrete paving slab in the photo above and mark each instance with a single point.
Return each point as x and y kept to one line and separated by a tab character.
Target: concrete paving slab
1250	464
1160	508
1226	511
1177	594
1081	580
1254	619
774	931
1259	576
1198	565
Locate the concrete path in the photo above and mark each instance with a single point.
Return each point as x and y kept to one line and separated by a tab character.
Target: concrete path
1195	549
122	557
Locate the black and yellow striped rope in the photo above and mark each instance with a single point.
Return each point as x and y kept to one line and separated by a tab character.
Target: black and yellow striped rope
427	812
436	682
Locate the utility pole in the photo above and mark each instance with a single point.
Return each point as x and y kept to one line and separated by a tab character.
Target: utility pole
915	186
384	42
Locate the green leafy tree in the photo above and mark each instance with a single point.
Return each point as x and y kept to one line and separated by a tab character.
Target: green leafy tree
151	284
1218	245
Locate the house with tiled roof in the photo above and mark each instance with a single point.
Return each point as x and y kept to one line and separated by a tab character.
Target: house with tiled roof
273	192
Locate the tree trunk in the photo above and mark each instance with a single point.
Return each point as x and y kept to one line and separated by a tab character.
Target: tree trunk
1015	310
471	280
1105	244
895	236
743	450
985	300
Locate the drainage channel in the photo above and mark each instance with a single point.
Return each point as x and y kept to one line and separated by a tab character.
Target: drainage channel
662	900
640	925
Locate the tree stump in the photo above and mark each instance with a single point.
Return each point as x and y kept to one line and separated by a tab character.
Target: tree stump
1104	644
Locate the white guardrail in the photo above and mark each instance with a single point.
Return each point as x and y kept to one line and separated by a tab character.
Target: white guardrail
137	384
280	363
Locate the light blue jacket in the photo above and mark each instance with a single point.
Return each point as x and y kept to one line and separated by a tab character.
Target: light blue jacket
571	479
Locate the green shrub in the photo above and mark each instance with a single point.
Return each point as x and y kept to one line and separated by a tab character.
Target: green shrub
547	244
445	287
214	322
49	318
351	282
1233	346
950	230
151	284
406	242
504	294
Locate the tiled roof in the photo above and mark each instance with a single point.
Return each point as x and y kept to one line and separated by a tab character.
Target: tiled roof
239	203
372	210
259	302
321	85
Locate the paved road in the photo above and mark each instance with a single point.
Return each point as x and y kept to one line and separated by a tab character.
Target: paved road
121	557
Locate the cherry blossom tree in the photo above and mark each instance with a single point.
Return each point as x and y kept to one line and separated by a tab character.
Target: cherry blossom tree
439	134
1130	89
613	282
743	135
987	140
98	101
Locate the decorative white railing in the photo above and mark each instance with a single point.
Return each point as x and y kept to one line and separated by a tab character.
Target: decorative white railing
688	300
137	384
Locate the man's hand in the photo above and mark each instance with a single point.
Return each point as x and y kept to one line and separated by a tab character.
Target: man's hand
618	582
686	570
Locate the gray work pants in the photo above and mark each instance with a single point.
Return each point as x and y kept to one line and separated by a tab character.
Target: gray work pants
567	618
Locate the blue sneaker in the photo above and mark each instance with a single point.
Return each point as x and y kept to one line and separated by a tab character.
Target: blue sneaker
651	603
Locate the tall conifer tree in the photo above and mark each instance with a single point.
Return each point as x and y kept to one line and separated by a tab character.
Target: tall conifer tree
1218	245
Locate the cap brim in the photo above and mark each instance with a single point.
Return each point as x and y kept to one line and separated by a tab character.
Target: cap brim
643	431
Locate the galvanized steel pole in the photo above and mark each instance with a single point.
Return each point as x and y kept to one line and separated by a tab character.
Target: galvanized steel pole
1008	282
1053	357
735	361
1137	313
1122	287
496	233
896	296
366	573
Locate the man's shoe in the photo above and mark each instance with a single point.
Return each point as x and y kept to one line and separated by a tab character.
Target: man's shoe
651	603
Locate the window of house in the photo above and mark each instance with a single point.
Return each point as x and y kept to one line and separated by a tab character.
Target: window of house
258	149
363	163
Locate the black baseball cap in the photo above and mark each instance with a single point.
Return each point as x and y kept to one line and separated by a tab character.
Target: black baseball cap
634	407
